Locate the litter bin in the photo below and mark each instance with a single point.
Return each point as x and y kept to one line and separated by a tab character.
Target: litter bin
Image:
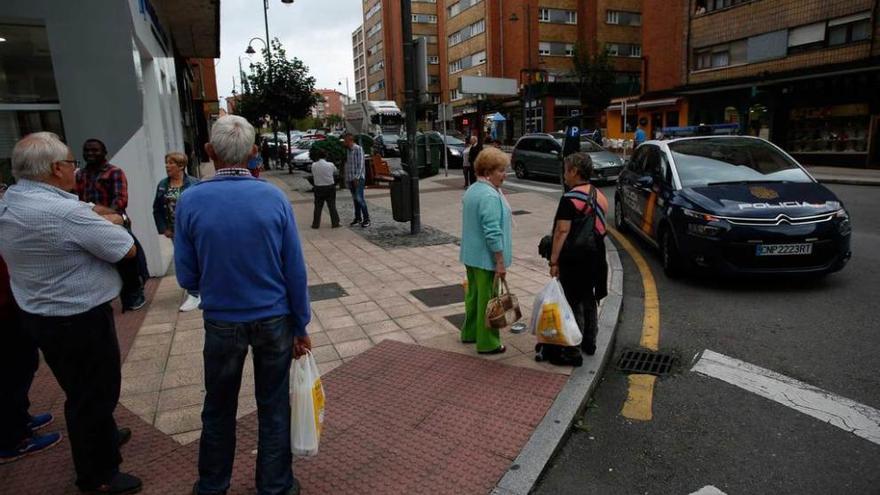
401	197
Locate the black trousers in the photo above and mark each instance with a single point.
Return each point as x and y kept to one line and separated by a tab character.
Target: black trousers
325	194
83	353
577	283
18	363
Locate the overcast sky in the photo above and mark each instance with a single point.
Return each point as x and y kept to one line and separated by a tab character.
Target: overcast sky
318	32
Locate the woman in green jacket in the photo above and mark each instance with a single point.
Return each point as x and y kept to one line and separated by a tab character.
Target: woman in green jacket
486	248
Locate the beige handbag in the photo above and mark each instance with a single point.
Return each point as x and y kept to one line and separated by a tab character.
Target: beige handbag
503	309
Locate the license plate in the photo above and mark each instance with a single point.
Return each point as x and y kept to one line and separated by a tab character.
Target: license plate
783	249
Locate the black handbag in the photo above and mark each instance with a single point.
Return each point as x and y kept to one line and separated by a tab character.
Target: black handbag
583	239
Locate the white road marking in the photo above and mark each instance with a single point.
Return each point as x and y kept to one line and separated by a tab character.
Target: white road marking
534	188
858	419
708	490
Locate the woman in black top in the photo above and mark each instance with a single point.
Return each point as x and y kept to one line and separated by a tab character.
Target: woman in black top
583	276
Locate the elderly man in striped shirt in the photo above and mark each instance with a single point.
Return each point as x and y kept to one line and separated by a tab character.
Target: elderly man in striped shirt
355	177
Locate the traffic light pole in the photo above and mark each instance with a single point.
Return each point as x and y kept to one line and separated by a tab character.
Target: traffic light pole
411	92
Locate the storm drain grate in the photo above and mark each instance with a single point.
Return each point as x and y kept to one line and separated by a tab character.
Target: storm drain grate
440	296
646	362
321	292
520	212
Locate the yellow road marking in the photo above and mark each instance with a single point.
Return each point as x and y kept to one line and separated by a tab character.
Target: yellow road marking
640	397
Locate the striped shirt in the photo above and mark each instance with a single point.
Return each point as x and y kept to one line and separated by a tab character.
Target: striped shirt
60	253
354	164
106	186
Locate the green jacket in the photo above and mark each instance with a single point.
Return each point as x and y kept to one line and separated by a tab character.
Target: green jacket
485	227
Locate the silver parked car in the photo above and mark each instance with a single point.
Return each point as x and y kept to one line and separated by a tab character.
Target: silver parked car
539	154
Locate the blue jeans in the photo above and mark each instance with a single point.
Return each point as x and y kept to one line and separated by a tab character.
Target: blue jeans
360	204
226	346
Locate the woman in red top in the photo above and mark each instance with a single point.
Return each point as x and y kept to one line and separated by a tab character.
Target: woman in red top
583	276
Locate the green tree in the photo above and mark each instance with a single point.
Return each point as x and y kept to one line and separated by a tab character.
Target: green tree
285	90
595	79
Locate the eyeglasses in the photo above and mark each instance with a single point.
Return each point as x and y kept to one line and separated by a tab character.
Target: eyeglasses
75	163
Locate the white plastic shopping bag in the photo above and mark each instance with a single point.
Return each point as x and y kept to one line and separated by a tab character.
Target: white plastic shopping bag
307	406
553	321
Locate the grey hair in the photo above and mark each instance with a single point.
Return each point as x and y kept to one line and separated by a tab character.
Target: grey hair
582	163
232	138
34	154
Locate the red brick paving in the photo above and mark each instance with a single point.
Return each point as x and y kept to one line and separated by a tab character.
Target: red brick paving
400	418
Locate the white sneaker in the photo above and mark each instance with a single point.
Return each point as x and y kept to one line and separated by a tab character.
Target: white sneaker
192	302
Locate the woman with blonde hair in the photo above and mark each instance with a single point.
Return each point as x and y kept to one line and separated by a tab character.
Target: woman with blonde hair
486	246
167	194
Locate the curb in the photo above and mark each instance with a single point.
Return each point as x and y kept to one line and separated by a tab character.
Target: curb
848	181
533	459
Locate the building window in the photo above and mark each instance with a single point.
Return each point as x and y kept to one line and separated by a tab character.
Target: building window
376	87
622	18
722	55
623	50
803	38
703	6
374	49
467	32
454	95
433	59
455	66
569	49
424	18
373	10
459	7
433	80
377	67
467	62
424	1
543	48
849	29
558	16
375	29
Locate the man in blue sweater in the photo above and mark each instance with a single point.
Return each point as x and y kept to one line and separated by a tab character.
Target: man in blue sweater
236	242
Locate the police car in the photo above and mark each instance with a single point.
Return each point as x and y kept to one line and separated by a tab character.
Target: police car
736	204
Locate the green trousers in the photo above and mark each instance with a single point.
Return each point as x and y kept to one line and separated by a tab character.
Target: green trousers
479	291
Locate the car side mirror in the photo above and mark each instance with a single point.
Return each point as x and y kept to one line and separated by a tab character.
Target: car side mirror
645	182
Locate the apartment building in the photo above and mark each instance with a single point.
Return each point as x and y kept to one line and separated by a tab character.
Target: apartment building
359	55
333	103
803	73
533	41
383	35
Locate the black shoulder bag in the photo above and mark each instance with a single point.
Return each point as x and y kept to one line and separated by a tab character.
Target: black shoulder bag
582	239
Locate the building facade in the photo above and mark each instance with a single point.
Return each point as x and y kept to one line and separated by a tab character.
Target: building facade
333	104
804	74
116	71
359	55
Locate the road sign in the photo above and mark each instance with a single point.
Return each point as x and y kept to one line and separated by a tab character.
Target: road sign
487	85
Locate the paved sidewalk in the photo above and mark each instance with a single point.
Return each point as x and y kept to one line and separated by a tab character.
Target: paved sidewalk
409	408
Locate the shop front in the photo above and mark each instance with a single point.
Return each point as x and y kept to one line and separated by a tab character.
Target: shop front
652	114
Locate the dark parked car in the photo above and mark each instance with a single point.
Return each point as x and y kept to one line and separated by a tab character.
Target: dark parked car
538	154
387	145
736	204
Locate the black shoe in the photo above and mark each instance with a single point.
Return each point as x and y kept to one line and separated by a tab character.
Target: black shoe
588	348
121	484
366	223
134	302
124	436
354	222
316	226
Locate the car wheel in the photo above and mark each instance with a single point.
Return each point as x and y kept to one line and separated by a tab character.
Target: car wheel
520	169
673	265
619	220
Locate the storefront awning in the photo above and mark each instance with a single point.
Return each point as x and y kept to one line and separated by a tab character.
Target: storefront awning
193	25
633	105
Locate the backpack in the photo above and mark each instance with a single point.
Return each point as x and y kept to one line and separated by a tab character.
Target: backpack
582	238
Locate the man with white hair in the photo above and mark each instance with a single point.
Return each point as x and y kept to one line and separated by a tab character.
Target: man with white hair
236	242
61	258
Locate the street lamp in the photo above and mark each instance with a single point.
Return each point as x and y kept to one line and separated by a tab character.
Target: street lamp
347	97
250	49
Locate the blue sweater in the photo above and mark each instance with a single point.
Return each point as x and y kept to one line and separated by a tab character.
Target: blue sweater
236	242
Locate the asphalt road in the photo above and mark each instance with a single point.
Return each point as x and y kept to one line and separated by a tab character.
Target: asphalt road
706	432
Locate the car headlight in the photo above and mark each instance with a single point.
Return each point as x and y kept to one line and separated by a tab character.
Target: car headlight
843	226
704	230
699	215
454	152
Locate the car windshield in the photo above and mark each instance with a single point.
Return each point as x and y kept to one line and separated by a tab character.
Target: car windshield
304	144
588	146
454	140
702	162
390	138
